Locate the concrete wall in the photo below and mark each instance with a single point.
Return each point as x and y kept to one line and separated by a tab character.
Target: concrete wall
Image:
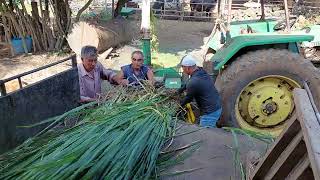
47	98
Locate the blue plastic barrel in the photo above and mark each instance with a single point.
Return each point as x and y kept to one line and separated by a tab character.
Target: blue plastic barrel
17	44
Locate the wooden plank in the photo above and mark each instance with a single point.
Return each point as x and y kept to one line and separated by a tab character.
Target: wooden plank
307	174
289	132
252	159
300	168
310	128
277	166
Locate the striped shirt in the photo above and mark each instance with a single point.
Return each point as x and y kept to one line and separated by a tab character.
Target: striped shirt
90	82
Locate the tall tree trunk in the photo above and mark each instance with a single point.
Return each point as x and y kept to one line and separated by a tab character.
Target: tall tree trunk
7	33
18	28
61	21
46	5
11	7
82	10
120	5
38	27
30	24
47	29
47	33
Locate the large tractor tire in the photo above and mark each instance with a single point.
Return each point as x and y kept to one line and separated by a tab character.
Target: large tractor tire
256	89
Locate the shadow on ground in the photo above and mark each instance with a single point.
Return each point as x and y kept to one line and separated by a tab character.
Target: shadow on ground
215	157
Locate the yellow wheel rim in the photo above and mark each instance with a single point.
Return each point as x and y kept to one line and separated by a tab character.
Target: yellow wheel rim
265	104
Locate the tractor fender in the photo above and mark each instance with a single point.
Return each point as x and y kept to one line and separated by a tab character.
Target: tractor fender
239	45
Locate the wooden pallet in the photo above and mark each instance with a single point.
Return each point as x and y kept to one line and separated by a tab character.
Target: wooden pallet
296	152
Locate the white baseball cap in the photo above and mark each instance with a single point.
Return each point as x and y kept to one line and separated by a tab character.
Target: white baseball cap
188	60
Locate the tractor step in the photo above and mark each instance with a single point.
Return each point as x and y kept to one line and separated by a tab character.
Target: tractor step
295	153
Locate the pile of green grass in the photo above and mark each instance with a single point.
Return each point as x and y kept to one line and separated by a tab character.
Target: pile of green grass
116	138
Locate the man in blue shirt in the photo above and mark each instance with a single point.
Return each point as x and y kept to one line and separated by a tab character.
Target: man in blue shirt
201	88
136	71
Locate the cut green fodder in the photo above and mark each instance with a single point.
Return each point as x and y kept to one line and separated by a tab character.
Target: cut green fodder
121	138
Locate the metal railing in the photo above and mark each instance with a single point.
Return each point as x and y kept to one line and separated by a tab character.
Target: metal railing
183	10
3	82
183	13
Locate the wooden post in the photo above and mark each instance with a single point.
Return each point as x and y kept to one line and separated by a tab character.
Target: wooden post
182	9
219	3
228	35
74	61
310	128
164	8
202	9
229	14
20	82
287	15
112	9
3	91
262	10
223	7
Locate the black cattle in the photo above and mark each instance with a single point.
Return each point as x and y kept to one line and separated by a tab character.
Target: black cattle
202	6
158	6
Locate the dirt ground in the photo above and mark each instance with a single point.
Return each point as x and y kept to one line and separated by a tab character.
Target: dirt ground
217	155
176	38
13	66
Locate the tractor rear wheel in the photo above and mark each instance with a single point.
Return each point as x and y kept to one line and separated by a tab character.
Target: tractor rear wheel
256	89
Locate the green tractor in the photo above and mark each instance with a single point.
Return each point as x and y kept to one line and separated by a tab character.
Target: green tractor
256	69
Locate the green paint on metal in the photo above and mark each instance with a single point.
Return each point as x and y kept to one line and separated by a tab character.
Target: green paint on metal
167	73
266	28
146	51
229	49
257	26
125	11
263	33
172	83
293	47
170	76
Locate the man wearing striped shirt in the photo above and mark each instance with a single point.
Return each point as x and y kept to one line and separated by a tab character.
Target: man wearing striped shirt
92	73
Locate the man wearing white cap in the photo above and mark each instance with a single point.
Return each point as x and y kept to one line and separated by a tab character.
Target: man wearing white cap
201	88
